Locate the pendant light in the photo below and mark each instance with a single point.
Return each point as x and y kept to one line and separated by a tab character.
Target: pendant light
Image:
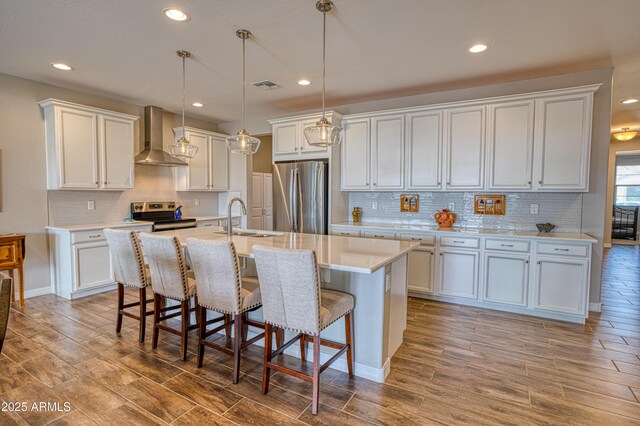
625	134
324	133
243	143
182	148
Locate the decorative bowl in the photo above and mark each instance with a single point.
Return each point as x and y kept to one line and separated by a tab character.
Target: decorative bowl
545	227
445	218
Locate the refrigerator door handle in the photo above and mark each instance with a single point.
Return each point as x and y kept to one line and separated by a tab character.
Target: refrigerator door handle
293	204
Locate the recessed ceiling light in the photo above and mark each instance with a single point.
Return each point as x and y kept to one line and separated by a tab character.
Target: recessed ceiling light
176	15
198	104
629	101
478	48
63	67
304	82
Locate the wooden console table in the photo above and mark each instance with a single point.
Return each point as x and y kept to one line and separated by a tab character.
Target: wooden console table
12	252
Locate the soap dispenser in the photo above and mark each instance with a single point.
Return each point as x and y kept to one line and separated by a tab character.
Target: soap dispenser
179	213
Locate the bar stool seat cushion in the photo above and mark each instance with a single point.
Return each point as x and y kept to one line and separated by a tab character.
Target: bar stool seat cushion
334	305
250	294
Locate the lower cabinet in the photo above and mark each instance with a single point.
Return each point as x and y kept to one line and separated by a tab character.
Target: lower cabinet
506	278
92	265
459	273
561	284
420	270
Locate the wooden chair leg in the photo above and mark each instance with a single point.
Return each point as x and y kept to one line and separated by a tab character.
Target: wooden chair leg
279	337
237	346
186	315
347	332
202	334
303	348
157	306
143	314
21	284
13	286
227	329
245	327
120	304
266	372
316	374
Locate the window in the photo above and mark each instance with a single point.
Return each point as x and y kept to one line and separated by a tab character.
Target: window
627	188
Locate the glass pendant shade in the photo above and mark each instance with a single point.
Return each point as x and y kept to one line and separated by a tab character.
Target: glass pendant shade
183	149
323	134
243	143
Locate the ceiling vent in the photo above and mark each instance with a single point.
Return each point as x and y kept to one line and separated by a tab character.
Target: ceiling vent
266	85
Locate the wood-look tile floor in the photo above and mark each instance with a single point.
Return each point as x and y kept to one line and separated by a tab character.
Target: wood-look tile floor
458	365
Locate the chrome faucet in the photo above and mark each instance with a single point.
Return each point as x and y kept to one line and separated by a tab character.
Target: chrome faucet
244	212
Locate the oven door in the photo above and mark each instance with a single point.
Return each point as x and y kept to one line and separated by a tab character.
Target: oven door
171	226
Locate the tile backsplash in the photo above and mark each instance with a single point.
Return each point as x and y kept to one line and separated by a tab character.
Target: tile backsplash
153	183
562	209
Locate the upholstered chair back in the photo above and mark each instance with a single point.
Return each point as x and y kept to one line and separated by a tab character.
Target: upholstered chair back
167	267
127	259
215	265
290	288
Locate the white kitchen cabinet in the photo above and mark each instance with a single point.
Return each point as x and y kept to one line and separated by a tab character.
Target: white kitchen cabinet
506	278
420	270
563	142
387	152
289	142
209	223
458	273
561	284
88	148
354	164
208	170
423	146
465	152
261	201
80	262
510	145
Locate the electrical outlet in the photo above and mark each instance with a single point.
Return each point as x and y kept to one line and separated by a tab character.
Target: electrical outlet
452	207
91	205
197	201
374	205
533	209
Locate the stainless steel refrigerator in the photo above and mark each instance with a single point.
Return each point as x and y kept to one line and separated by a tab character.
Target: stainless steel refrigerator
301	196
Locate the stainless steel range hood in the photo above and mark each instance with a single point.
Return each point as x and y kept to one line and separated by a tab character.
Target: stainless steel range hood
153	154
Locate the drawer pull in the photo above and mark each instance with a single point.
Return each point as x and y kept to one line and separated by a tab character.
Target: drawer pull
458	242
416	239
561	249
378	236
95	236
506	245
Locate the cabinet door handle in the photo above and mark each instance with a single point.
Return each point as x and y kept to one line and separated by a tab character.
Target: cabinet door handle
374	184
440	254
529	182
526	261
301	148
538	262
448	183
97	182
367	184
438	183
559	249
540	182
506	245
295	149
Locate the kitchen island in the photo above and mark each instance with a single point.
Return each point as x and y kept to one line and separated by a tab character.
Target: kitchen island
373	271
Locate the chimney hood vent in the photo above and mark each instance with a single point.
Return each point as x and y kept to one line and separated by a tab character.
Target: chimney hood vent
153	154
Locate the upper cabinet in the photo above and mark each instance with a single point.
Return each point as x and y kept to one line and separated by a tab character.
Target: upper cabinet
289	142
510	145
465	148
530	142
423	147
563	142
209	169
373	153
88	148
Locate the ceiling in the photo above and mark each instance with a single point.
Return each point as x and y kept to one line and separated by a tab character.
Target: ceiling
377	49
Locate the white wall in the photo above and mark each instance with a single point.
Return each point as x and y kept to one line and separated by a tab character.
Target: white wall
23	174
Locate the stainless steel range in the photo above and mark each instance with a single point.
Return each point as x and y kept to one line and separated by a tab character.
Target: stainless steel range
162	214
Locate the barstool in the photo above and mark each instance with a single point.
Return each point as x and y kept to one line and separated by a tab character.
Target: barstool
130	271
292	299
221	289
170	279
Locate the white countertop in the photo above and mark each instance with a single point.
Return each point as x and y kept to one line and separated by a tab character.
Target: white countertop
349	254
201	218
406	227
91	227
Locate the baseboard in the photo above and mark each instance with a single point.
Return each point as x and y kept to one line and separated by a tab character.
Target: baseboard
595	307
35	292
